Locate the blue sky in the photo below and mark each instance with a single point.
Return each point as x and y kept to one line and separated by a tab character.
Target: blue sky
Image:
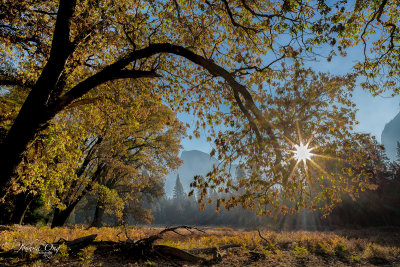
373	112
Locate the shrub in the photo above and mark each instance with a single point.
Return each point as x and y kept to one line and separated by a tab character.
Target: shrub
86	254
341	249
323	248
356	259
376	251
63	251
266	252
300	252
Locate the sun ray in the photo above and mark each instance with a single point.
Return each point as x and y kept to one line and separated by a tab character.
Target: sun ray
319	167
306	171
286	160
326	157
290	141
302	153
309	140
293	170
298	131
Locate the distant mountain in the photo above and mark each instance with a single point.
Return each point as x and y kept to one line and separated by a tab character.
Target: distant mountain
194	163
390	137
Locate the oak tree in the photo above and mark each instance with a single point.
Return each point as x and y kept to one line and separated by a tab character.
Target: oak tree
105	148
230	62
61	50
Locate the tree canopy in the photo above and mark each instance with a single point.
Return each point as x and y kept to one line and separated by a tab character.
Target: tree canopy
237	63
124	143
374	27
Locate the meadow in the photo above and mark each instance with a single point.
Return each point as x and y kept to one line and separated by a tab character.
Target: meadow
366	247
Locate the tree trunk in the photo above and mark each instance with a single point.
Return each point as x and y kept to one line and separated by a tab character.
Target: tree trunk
41	104
22	203
14	207
21	219
61	216
26	127
98	215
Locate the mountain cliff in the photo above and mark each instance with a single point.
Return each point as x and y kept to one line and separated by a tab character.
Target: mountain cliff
390	137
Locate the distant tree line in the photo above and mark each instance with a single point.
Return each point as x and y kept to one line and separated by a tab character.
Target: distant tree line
378	207
370	208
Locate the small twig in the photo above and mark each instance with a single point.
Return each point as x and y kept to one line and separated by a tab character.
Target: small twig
263	238
151	239
119	238
126	235
173	229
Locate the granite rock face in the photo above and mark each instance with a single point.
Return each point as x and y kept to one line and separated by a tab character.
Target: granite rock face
390	137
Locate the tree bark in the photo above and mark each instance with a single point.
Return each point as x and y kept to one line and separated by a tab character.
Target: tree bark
13	210
21	206
61	216
98	215
22	217
38	109
28	124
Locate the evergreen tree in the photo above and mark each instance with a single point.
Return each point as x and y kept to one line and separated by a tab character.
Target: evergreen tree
179	193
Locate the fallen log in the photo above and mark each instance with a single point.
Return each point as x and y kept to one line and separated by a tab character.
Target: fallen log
140	250
77	244
211	250
176	254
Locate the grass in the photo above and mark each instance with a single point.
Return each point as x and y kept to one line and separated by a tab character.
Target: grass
346	248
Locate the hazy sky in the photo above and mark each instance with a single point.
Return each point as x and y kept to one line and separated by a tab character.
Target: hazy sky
373	112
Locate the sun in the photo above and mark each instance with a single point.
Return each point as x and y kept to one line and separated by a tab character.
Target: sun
302	152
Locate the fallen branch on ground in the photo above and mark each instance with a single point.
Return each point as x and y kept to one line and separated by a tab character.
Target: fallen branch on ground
140	250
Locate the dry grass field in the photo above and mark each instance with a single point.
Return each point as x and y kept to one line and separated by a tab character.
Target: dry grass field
369	247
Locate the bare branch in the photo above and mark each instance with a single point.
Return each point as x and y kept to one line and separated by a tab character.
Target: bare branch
269	16
151	239
377	16
84	35
178	9
231	17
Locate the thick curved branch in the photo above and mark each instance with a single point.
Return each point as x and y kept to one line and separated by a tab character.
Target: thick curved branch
111	71
15	81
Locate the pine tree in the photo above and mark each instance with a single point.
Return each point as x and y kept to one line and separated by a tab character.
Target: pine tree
179	193
398	151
